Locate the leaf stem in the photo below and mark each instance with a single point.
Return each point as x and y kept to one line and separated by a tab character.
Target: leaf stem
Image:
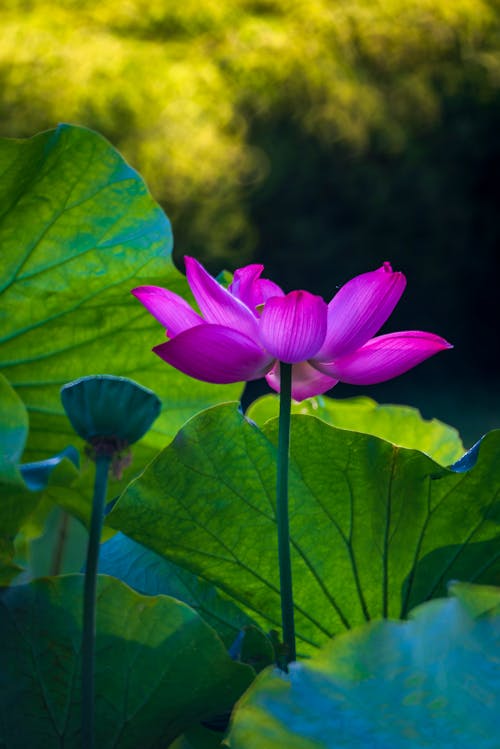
89	601
62	537
285	566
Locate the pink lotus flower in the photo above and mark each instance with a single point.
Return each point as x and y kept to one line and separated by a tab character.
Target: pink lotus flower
243	332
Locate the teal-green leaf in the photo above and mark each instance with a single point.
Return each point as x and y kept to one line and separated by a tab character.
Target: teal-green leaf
78	230
159	667
8	568
477	600
363	515
20	484
199	737
151	574
13	434
36	475
402	425
431	681
467	460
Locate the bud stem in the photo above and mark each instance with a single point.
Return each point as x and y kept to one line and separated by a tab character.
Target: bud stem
89	601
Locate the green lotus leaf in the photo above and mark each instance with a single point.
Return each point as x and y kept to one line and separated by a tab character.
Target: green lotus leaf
159	667
151	574
431	681
78	231
401	425
21	483
13	434
199	737
36	475
366	516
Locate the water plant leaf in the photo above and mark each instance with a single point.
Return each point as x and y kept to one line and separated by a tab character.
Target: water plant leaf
13	434
36	475
401	425
159	667
468	460
363	514
21	484
78	230
431	681
8	568
151	574
199	737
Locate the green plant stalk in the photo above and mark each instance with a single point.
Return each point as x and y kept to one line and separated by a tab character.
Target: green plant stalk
287	612
60	546
89	601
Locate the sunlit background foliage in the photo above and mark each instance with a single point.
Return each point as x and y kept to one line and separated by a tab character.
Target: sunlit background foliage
319	137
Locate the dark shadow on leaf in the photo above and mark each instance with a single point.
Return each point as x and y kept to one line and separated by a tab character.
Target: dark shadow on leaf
474	562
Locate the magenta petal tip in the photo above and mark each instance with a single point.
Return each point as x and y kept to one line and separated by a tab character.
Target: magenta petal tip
385	357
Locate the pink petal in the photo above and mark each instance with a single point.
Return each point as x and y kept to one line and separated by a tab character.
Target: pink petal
248	287
293	327
171	310
213	353
384	357
216	303
268	289
306	381
359	309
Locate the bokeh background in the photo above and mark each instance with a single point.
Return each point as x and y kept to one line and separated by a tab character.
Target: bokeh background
319	137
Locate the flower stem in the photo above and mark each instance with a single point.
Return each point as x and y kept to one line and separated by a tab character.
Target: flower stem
89	601
282	511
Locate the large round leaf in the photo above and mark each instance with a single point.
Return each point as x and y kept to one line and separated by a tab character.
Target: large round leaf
14	503
78	230
366	517
159	667
21	484
432	681
401	425
13	434
150	573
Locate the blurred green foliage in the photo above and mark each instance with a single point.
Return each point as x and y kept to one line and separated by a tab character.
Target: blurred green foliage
186	90
321	137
